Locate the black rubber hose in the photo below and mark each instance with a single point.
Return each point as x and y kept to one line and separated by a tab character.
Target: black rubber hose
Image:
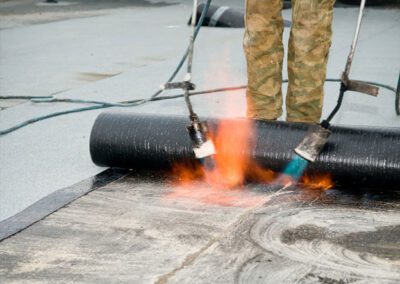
339	103
359	157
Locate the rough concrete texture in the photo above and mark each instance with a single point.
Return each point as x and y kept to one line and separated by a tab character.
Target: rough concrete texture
120	53
143	229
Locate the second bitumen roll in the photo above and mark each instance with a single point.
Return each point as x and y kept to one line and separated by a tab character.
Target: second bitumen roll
225	17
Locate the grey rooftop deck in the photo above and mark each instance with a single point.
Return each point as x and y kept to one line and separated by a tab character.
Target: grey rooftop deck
126	53
126	228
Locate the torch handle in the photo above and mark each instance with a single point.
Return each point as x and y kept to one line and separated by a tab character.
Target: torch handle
344	86
188	77
355	40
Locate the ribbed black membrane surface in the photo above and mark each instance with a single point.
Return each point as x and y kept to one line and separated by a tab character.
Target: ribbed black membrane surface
368	157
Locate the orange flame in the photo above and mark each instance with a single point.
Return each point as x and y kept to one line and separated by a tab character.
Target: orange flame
184	174
232	141
234	166
317	181
222	185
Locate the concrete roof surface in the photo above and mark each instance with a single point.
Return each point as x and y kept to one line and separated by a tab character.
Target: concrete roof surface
117	52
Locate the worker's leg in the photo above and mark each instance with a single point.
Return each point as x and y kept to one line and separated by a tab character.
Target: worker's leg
264	52
309	44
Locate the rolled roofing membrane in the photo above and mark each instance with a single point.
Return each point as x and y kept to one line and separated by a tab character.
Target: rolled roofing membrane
225	17
357	157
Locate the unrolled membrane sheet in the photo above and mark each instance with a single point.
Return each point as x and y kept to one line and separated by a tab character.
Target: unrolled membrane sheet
360	157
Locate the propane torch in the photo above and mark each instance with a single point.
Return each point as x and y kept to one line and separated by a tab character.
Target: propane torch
203	147
317	135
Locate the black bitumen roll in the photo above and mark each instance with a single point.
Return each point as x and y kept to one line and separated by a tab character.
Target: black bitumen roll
224	17
368	157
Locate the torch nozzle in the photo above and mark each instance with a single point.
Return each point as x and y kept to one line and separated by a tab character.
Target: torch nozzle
202	146
313	143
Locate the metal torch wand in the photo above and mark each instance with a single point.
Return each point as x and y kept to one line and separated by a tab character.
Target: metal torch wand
317	135
198	131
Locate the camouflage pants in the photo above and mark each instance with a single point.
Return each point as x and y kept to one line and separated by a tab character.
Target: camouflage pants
310	40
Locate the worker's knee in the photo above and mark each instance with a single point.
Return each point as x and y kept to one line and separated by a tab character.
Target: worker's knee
263	106
304	108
